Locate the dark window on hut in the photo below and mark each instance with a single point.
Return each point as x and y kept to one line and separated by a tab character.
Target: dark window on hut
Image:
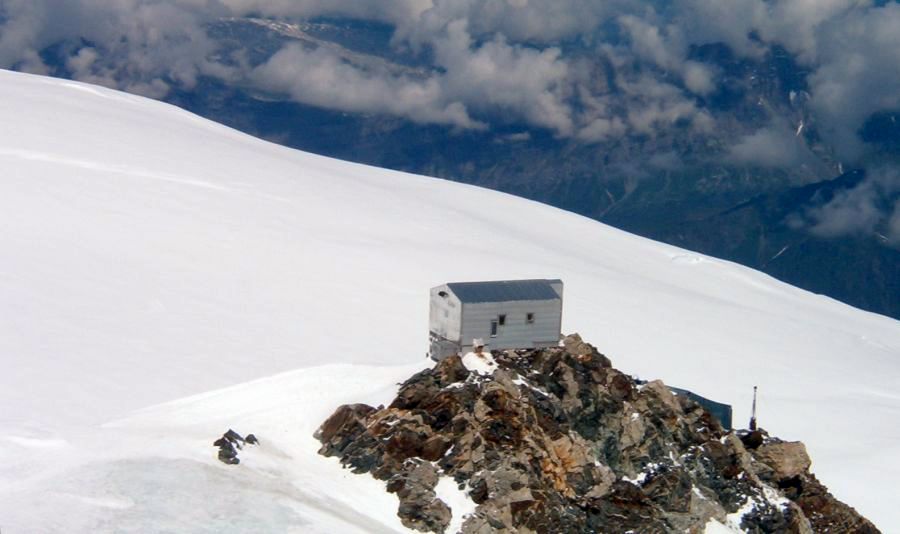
501	320
529	318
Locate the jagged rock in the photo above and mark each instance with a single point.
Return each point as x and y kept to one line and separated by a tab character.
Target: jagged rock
233	436
229	445
344	422
827	514
419	507
786	464
582	351
452	370
752	439
556	440
227	453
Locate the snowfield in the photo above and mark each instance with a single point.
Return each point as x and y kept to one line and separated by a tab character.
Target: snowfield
164	278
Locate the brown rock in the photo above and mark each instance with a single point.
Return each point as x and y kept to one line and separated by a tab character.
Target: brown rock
434	448
584	352
576	346
344	416
451	370
786	458
404	444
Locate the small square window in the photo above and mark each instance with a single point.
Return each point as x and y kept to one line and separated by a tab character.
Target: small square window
501	320
529	318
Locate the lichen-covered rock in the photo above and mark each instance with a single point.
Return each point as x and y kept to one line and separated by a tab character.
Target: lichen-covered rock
556	440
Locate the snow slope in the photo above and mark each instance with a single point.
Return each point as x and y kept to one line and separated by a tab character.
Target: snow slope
164	278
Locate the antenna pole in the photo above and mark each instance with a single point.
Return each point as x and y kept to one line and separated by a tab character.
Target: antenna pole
753	414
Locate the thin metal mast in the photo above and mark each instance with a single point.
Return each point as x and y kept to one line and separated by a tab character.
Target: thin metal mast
753	415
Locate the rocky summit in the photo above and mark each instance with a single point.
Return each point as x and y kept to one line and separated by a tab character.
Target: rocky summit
557	440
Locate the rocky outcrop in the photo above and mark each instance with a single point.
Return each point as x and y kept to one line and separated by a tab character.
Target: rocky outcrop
785	465
230	443
556	440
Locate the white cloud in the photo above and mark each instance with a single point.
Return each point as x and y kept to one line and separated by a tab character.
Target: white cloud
859	210
858	76
893	227
321	78
849	213
495	58
518	20
526	83
667	49
392	11
139	44
698	78
773	146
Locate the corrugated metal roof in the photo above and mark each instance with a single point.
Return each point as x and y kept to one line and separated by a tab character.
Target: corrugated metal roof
504	290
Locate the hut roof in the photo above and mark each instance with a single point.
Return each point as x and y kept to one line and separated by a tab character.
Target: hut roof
505	290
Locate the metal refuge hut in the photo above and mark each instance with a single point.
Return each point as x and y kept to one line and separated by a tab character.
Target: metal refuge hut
506	314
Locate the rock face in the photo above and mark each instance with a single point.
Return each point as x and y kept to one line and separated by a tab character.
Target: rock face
556	440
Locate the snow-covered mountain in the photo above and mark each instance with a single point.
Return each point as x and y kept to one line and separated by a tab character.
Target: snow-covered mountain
164	278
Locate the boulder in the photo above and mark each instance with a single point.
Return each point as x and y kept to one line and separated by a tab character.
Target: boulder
583	351
787	459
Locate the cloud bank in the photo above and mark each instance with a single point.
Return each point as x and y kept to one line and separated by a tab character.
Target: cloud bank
590	71
871	208
492	58
587	70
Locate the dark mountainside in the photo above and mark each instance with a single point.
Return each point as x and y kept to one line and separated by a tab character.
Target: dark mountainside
556	440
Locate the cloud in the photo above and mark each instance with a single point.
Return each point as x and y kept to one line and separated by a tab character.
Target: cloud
698	78
583	69
666	161
138	46
518	20
893	226
652	105
497	77
797	24
321	78
858	73
393	12
667	48
493	78
773	146
22	22
861	210
849	213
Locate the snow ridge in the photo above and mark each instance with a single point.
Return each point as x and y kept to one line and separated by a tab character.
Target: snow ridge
148	255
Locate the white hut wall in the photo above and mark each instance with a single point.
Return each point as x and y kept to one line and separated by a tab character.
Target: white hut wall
444	317
517	331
